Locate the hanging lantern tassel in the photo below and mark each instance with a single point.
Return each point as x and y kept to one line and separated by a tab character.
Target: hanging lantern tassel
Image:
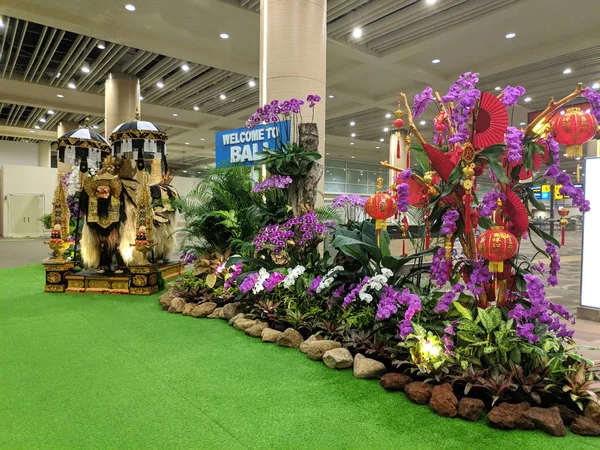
467	198
563	213
379	225
398	150
427	234
407	141
578	172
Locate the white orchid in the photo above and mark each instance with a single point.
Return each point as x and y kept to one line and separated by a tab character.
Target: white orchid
263	276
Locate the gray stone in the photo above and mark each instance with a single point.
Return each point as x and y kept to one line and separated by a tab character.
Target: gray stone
177	305
316	349
216	314
312	338
243	324
230	310
187	309
592	411
203	309
367	368
165	299
236	317
256	329
270	335
290	338
338	358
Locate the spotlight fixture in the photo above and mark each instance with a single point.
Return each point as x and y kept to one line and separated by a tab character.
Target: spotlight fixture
85	68
252	83
352	123
160	84
527	99
435	61
130	8
224	36
388	116
196	108
567	71
331	96
43	120
101	45
72	84
510	35
222	96
357	32
50	111
185	67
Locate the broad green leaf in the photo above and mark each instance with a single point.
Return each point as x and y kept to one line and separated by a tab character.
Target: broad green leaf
498	171
468	337
535	202
488	350
463	311
541	233
469	325
493	151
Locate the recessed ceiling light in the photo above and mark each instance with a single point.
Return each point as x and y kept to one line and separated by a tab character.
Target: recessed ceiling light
72	84
423	122
101	45
522	123
37	127
596	86
527	99
352	157
510	35
1	23
564	170
50	111
59	95
201	139
386	129
141	98
196	108
327	154
498	88
353	135
378	147
388	116
184	171
352	123
574	173
187	143
85	68
58	75
185	67
435	61
252	83
357	32
130	8
578	158
562	113
222	96
351	143
224	36
43	120
32	131
382	140
175	115
430	2
95	127
331	96
567	71
160	84
565	155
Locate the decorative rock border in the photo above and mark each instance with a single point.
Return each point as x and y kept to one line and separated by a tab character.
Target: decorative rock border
440	398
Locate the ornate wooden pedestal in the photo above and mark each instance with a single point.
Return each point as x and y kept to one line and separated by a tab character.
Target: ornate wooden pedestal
56	275
144	280
97	283
172	270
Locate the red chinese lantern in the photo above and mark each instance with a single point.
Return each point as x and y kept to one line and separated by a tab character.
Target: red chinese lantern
381	206
497	245
573	129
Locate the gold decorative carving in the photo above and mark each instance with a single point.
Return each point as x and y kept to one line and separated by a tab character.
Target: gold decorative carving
54	288
139	280
152	279
53	277
98	284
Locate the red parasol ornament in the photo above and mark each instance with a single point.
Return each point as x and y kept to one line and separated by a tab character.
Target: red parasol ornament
491	121
573	129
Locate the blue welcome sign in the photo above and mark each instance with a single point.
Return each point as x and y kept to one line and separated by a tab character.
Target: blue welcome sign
244	146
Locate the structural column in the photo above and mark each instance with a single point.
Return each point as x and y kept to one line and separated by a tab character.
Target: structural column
121	100
293	51
44	154
65	127
393	158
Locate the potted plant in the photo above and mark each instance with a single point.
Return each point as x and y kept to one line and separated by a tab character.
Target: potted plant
46	220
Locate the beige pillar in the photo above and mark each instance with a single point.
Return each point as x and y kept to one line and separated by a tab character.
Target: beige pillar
293	47
393	153
121	100
65	127
44	154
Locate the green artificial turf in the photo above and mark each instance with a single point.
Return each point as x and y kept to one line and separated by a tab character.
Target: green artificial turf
118	372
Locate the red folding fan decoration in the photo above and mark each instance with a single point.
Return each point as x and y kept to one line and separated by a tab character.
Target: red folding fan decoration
417	193
440	162
516	212
491	122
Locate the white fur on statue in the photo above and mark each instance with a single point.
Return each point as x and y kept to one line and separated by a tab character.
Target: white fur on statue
127	232
90	247
163	236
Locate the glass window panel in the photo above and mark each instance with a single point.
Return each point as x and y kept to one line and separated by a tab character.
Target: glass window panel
356	176
334	163
353	165
357	189
335	187
335	175
375	167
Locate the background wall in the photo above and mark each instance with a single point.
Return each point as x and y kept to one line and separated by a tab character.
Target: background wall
18	154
